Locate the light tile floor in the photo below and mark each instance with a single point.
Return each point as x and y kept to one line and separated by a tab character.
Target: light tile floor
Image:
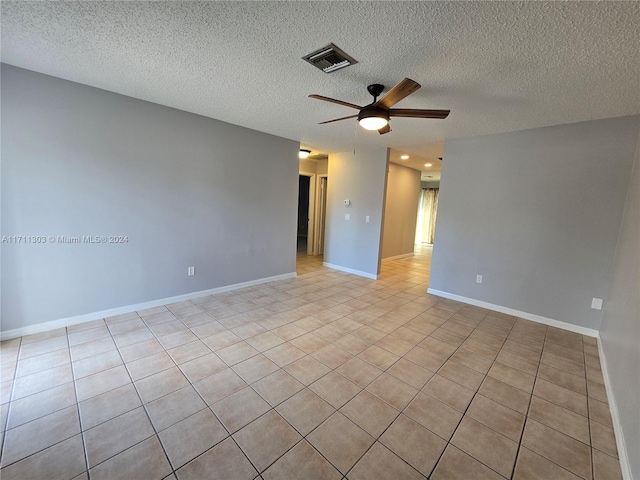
324	376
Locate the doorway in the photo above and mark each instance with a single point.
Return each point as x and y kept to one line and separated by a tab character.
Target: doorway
304	190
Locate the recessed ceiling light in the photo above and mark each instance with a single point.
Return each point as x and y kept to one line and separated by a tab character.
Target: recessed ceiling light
404	157
427	165
303	153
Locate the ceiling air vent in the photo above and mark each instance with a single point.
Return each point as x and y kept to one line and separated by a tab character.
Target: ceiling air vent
329	59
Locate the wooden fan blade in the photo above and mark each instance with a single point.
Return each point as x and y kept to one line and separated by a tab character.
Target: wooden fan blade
338	119
417	113
385	129
403	89
333	100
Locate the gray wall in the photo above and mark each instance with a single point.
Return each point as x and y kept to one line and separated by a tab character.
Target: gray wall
400	211
537	213
620	330
355	244
186	190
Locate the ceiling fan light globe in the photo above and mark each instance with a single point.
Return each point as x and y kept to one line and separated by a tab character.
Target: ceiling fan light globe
373	123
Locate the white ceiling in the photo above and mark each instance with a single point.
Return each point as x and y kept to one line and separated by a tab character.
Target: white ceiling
498	66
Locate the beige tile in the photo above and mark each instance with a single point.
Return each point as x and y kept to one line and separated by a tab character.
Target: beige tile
605	467
220	385
174	407
35	406
437	346
335	389
302	462
264	341
192	436
62	460
145	460
287	332
518	362
497	417
202	367
416	445
255	368
277	387
561	449
79	327
599	412
603	439
307	370
410	373
531	466
131	338
27	439
332	356
177	339
462	375
240	409
562	363
359	372
225	460
126	326
43	346
505	394
340	441
449	337
393	391
559	418
309	342
481	348
87	335
188	351
237	353
378	357
150	365
121	318
46	361
160	384
472	360
433	414
561	396
96	364
284	354
104	407
380	463
102	382
116	435
221	340
43	380
486	445
266	439
426	359
457	465
526	351
597	391
369	413
305	411
567	380
513	377
395	345
141	350
92	348
207	328
449	392
352	344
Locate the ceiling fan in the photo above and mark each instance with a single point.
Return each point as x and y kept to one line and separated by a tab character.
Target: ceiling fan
375	116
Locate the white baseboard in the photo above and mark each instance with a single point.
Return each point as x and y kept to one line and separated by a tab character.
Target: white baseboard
88	317
398	257
615	417
590	332
351	270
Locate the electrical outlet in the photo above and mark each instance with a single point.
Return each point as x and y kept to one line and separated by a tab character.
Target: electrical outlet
478	278
367	219
191	271
596	303
347	216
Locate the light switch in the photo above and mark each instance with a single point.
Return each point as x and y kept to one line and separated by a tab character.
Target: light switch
596	303
367	219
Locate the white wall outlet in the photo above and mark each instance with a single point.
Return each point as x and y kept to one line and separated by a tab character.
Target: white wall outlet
596	303
191	271
347	202
478	278
347	216
367	219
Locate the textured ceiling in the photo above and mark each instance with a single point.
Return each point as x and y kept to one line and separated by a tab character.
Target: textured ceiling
499	66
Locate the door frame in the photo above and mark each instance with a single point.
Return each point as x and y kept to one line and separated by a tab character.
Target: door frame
311	219
318	231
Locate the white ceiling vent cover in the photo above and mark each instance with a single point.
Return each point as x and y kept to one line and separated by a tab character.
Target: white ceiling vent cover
329	59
